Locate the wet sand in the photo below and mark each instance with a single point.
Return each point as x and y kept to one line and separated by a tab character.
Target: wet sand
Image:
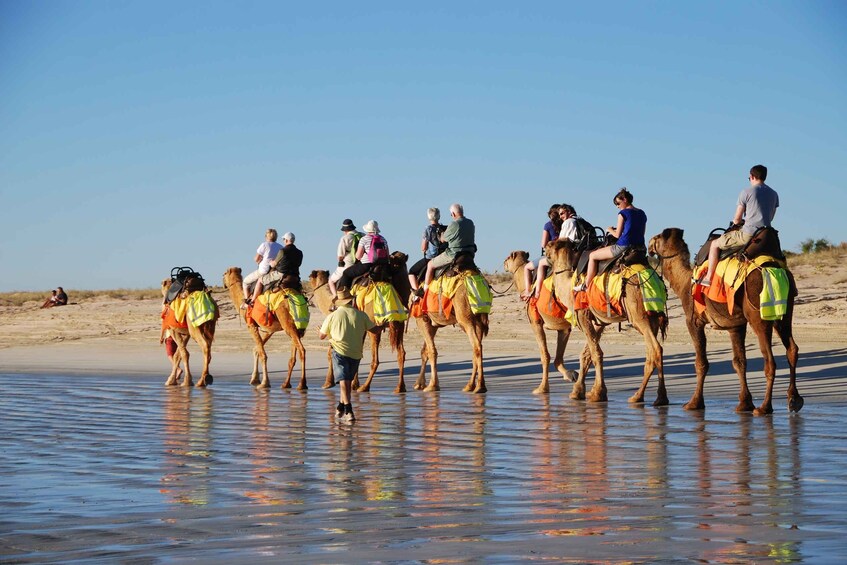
117	467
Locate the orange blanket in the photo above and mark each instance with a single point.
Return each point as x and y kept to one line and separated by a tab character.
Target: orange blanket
436	303
597	300
169	320
258	314
546	304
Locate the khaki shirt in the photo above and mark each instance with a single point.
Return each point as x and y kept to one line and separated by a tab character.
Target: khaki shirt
346	329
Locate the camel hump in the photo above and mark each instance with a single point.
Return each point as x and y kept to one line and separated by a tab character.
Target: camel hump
765	242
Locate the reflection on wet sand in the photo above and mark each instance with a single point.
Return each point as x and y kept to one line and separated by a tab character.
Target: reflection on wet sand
419	477
187	426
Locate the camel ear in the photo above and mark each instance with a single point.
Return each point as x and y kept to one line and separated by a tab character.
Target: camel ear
666	233
525	255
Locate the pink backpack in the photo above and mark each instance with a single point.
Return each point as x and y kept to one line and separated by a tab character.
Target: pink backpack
378	249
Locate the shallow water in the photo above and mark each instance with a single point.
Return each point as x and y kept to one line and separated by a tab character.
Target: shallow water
126	469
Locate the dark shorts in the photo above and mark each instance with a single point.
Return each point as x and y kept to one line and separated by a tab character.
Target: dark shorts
344	368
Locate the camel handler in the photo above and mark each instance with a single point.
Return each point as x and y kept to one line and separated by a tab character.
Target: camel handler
347	247
345	327
459	237
756	208
267	249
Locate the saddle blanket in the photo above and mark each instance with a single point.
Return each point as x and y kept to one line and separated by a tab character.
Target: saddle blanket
262	311
387	305
729	276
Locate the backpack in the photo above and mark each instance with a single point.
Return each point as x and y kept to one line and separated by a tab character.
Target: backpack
352	253
586	234
433	237
378	250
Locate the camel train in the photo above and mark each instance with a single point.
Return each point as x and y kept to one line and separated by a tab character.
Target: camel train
743	308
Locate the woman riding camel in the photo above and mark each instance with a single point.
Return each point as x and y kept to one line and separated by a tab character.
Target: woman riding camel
431	245
632	223
549	233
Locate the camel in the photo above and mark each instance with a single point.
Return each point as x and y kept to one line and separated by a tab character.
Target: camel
475	327
675	258
232	280
563	255
323	299
204	335
514	264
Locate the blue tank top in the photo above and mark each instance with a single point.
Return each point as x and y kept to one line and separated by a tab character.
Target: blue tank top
634	226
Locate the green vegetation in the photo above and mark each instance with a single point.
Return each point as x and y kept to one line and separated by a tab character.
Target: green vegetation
815	245
813	252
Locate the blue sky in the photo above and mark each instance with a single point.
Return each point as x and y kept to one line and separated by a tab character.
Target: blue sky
138	136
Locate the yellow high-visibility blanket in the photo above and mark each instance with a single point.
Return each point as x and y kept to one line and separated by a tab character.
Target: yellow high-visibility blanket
297	304
179	306
387	305
479	293
773	300
201	308
653	291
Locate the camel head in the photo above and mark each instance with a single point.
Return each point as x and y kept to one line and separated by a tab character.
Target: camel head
166	284
515	261
669	243
318	278
562	254
397	262
232	276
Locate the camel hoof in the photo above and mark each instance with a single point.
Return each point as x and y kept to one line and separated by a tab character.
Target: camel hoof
467	388
327	385
636	399
187	383
795	403
418	387
364	388
264	385
432	388
744	407
661	401
480	390
255	382
200	384
302	387
285	385
596	397
541	390
763	411
170	382
400	389
694	405
570	376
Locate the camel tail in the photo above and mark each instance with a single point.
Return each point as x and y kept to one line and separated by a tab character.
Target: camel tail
301	332
663	325
483	321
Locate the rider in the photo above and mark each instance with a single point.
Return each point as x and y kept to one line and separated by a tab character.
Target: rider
267	250
364	256
549	233
568	232
459	237
346	252
756	208
431	245
632	224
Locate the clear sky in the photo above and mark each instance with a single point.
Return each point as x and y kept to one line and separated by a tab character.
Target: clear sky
139	136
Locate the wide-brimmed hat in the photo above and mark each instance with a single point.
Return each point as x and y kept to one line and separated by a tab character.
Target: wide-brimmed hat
343	296
371	227
347	225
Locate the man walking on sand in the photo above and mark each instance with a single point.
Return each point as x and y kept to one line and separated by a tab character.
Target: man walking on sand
345	327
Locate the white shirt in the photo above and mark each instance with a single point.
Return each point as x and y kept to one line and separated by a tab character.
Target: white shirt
268	250
569	230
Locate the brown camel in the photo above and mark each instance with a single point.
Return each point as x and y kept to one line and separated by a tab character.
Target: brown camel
204	335
284	322
514	264
323	299
475	327
562	255
675	259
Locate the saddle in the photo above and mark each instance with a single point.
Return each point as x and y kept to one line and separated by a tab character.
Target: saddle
632	256
291	282
379	271
764	242
184	279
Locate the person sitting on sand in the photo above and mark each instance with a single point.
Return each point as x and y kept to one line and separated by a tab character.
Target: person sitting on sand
50	302
61	297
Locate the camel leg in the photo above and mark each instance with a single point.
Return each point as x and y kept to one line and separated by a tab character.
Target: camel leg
792	352
544	353
180	343
330	378
206	348
764	333
297	348
480	374
562	337
578	392
183	353
432	355
376	338
739	362
421	382
261	355
598	391
395	333
652	361
701	364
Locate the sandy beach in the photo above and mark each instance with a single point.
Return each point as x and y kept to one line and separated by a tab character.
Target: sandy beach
105	463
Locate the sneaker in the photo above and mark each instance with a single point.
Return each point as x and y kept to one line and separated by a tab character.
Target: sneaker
703	281
348	413
579	288
339	411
